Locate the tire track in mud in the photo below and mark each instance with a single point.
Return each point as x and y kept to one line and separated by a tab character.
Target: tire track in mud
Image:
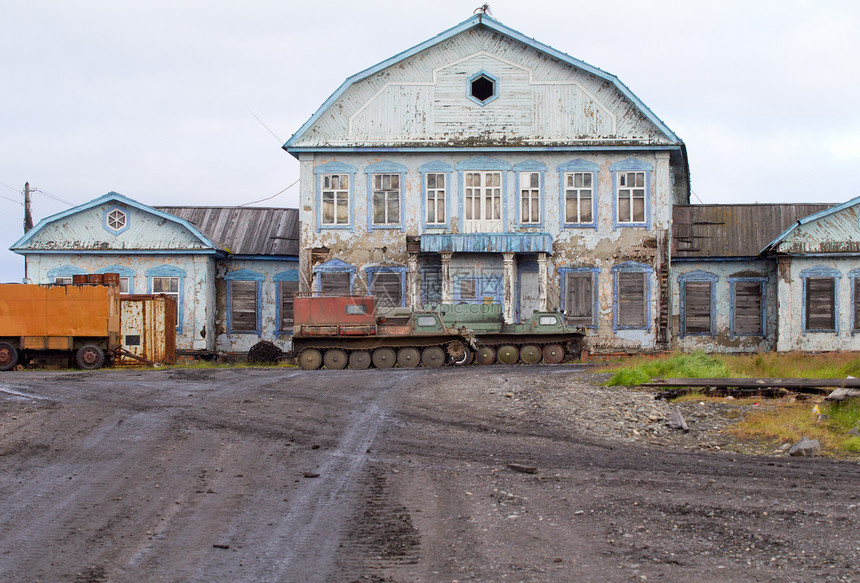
303	542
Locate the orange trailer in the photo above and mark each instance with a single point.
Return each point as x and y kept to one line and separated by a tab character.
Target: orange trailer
80	320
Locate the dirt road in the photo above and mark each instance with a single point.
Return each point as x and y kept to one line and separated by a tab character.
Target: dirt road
258	475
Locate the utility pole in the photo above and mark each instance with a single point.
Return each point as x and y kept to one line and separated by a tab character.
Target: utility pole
28	215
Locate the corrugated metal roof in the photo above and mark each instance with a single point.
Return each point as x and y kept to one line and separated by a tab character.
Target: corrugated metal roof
245	230
732	230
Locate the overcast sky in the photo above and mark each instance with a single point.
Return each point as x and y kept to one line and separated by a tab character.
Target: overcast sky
188	102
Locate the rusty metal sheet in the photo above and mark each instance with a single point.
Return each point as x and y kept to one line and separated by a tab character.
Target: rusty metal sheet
58	310
148	329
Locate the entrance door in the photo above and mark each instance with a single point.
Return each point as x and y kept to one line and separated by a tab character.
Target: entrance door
529	297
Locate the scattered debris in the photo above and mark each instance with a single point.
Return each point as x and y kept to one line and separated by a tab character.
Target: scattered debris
311	475
264	352
676	421
843	394
217	546
523	468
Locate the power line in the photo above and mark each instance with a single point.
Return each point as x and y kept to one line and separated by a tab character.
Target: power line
280	141
52	196
273	196
11	200
10	188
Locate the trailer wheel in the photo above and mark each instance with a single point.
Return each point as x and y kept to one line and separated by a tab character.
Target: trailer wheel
90	357
310	359
8	356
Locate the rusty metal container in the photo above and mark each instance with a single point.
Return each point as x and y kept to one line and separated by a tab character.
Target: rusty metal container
148	330
110	278
95	278
79	278
43	311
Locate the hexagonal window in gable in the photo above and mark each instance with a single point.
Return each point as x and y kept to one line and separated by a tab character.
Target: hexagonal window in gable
115	220
482	88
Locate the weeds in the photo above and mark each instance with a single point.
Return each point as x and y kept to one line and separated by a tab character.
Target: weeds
688	366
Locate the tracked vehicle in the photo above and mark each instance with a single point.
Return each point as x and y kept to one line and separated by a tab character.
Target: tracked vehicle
341	331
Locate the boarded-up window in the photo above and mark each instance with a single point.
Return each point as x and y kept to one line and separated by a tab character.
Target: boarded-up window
631	299
468	290
288	293
579	298
243	306
387	289
748	308
335	283
856	305
431	284
820	303
697	307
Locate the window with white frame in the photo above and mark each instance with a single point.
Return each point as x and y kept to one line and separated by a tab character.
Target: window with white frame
123	284
483	201
335	199
168	286
386	199
631	197
578	193
434	184
530	197
116	220
65	280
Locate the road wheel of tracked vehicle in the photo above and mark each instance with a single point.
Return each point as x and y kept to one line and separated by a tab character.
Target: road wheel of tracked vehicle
90	357
485	355
384	357
359	359
553	353
335	359
433	356
310	359
8	356
530	354
460	353
408	357
508	354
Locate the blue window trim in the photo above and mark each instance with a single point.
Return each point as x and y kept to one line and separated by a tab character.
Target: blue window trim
436	167
631	165
369	272
631	267
489	76
530	166
483	164
334	168
489	285
245	275
577	165
761	281
595	276
123	272
109	210
169	271
825	272
386	167
333	266
64	271
697	276
288	275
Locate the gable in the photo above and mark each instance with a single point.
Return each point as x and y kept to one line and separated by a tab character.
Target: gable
422	98
94	227
836	230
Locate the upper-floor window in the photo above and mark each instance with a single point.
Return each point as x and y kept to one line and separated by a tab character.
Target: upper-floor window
578	194
386	199
530	197
631	197
434	185
483	201
116	220
482	88
335	199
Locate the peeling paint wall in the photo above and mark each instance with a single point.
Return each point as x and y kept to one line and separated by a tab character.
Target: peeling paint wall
722	339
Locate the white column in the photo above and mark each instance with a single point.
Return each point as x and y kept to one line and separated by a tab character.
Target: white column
510	279
542	282
446	278
412	284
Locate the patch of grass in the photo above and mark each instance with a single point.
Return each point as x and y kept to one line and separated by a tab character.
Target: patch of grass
788	422
787	365
695	365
